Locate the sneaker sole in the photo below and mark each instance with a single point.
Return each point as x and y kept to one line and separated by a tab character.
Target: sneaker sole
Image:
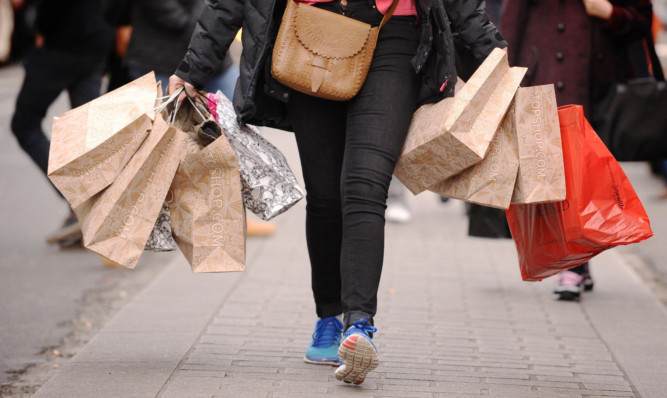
306	360
359	358
567	295
588	285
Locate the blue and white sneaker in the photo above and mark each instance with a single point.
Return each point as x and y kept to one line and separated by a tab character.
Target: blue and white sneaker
323	349
358	353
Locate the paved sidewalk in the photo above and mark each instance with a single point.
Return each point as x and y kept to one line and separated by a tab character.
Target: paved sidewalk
454	319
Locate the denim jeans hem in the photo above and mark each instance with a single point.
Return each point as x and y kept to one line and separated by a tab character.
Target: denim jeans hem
351	317
329	310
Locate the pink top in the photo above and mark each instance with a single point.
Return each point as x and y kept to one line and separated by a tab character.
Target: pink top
404	7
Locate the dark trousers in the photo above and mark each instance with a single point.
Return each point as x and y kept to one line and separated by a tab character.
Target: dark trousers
348	151
47	73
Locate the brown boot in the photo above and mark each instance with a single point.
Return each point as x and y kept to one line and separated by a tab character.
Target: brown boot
259	228
68	234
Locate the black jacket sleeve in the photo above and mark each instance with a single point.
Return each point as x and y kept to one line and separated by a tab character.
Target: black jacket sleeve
473	28
171	15
215	31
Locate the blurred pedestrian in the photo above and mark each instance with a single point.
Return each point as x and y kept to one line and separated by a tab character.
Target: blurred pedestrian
581	46
72	43
493	7
118	14
348	149
6	29
161	31
23	34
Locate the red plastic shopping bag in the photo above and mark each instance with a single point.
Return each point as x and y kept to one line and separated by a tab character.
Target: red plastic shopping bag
601	209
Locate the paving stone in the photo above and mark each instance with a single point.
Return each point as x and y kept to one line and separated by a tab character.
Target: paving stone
586	393
609	387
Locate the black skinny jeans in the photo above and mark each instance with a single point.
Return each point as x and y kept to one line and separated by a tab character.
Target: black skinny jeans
348	152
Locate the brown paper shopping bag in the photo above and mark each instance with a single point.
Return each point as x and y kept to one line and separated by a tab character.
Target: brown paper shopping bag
491	181
448	137
207	213
117	222
541	175
91	144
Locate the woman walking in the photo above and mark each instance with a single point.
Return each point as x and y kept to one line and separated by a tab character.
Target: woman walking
348	149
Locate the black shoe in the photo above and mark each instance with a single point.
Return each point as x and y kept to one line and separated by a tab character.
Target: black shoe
74	241
588	281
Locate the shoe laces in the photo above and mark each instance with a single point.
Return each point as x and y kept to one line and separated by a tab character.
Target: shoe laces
363	325
327	332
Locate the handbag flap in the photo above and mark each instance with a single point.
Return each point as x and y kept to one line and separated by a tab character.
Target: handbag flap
329	34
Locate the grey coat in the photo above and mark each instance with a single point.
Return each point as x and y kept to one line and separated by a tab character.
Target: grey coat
259	99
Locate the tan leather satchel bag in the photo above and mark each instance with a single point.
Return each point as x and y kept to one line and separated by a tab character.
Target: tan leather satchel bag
324	54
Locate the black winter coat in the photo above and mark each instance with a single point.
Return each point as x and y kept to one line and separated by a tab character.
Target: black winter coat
562	45
161	31
260	100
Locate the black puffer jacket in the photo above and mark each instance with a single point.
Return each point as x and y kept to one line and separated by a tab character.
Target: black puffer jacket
259	99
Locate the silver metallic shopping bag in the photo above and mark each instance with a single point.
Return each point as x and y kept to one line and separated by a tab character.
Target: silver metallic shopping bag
269	185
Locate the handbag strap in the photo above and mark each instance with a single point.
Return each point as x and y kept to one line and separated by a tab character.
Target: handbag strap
389	13
655	61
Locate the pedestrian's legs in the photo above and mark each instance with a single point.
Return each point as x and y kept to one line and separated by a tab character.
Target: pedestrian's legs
44	81
48	73
86	87
348	152
377	124
319	127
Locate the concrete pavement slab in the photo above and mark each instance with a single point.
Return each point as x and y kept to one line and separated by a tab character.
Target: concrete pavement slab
108	379
632	323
